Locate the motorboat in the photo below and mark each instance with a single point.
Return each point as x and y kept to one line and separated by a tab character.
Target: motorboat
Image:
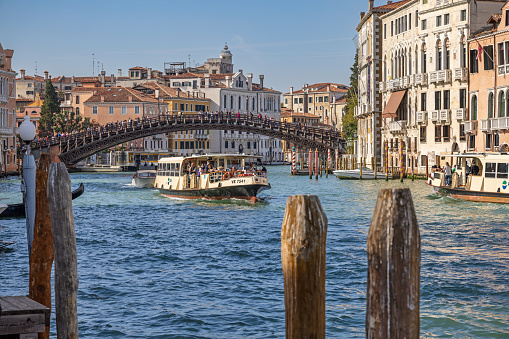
218	176
144	178
356	174
475	177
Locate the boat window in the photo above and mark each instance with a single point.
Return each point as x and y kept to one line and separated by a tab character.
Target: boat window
502	170
490	170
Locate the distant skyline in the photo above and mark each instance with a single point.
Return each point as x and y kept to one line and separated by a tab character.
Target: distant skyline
290	43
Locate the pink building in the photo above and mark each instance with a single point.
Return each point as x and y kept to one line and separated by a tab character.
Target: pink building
8	161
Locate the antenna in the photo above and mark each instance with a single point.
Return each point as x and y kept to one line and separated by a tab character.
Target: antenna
35	67
93	65
102	66
98	65
189	58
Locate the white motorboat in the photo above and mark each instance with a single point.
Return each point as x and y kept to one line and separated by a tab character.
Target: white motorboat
144	178
356	173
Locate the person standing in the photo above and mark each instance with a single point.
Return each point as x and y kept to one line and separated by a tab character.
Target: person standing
448	174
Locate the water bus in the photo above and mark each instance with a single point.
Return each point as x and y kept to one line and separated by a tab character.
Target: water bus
475	177
218	176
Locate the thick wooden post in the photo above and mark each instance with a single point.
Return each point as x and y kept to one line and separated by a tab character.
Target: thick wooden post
303	239
413	173
427	169
394	261
374	166
41	259
64	239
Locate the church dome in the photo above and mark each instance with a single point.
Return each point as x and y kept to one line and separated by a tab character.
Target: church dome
225	51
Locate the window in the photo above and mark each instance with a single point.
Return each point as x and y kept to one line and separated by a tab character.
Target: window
77	99
473	108
488	57
462	133
94	109
446	19
325	99
124	110
233	144
295	100
446	135
447	99
416	18
501	105
507	17
473	61
423	102
496	139
502	170
501	60
490	105
392	28
226	144
249	145
77	111
187	107
471	141
463	98
463	15
110	108
488	141
409	20
286	101
423	24
182	106
310	100
439	21
29	84
438	130
136	109
300	100
490	168
438	100
320	99
422	134
385	31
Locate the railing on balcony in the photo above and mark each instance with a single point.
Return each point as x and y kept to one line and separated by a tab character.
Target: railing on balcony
499	123
7	131
460	113
445	115
444	76
460	74
395	83
422	117
421	79
388	85
397	126
435	115
486	125
506	69
4	98
433	77
470	127
501	70
494	124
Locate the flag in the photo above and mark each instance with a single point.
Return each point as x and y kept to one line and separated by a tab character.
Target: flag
479	51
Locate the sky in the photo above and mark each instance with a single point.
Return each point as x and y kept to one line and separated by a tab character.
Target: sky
290	43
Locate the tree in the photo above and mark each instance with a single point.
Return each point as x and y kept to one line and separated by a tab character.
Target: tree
349	122
50	107
67	122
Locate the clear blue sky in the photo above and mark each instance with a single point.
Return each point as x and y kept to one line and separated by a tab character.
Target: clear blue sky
291	43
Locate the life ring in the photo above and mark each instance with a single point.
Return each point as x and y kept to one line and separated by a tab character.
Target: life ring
226	176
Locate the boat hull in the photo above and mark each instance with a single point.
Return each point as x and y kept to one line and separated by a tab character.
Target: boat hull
246	192
463	194
143	182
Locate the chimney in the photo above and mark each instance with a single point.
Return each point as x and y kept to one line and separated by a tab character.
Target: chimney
45	75
22	74
112	78
240	71
228	81
102	78
72	79
207	80
261	81
291	90
371	2
119	72
249	81
130	98
362	15
102	98
389	2
149	73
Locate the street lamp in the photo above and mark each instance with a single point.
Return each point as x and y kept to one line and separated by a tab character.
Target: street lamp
27	134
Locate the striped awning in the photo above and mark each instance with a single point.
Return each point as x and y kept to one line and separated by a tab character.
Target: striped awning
392	105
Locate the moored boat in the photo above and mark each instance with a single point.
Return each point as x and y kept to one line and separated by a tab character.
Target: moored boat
144	178
356	173
218	176
475	177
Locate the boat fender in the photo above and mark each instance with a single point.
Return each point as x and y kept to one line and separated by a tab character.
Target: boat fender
226	176
219	185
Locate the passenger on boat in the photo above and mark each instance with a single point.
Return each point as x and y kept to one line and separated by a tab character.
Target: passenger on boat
448	174
475	169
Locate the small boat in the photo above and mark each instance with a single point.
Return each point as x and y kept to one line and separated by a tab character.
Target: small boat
475	177
144	178
356	173
229	176
18	210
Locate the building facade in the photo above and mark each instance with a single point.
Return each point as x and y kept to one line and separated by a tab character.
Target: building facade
27	87
8	160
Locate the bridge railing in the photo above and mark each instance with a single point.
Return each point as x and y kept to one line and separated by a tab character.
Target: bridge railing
79	138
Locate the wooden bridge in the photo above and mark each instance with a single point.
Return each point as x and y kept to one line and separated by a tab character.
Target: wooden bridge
78	146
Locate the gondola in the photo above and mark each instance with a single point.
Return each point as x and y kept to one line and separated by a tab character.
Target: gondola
18	210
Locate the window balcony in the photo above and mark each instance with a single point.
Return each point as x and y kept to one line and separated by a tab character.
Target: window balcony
501	70
4	98
444	76
461	74
486	125
389	85
445	115
397	126
404	82
422	117
499	124
460	113
7	131
381	87
433	77
494	124
435	116
396	83
421	79
470	127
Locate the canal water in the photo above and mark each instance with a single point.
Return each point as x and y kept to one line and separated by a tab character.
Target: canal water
155	267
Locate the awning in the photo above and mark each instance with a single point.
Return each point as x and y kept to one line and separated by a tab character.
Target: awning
393	104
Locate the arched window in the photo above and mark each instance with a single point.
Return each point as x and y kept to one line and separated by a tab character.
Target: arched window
447	54
409	61
473	107
438	62
463	49
416	61
224	101
385	69
501	105
490	105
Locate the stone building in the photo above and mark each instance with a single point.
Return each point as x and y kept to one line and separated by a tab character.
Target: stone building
8	160
27	87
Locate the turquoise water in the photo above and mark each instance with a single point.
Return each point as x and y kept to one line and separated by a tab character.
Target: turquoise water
154	267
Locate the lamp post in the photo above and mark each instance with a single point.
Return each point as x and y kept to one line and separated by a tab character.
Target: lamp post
27	134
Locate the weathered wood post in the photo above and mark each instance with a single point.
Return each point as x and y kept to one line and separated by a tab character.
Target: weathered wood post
394	261
41	258
64	240
303	239
374	165
413	173
427	169
386	160
401	162
316	164
360	171
310	164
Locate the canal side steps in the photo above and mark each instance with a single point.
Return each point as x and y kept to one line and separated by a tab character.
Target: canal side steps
394	261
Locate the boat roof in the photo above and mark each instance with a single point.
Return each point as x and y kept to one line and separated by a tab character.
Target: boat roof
208	157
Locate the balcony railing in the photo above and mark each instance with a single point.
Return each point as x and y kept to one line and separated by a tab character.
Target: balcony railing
422	117
7	131
499	123
445	115
444	76
421	79
435	115
501	70
4	98
433	77
470	127
397	126
381	86
460	113
506	69
494	124
460	74
485	125
395	83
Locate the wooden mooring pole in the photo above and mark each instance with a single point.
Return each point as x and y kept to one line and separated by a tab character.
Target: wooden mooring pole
394	260
41	258
64	240
303	239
